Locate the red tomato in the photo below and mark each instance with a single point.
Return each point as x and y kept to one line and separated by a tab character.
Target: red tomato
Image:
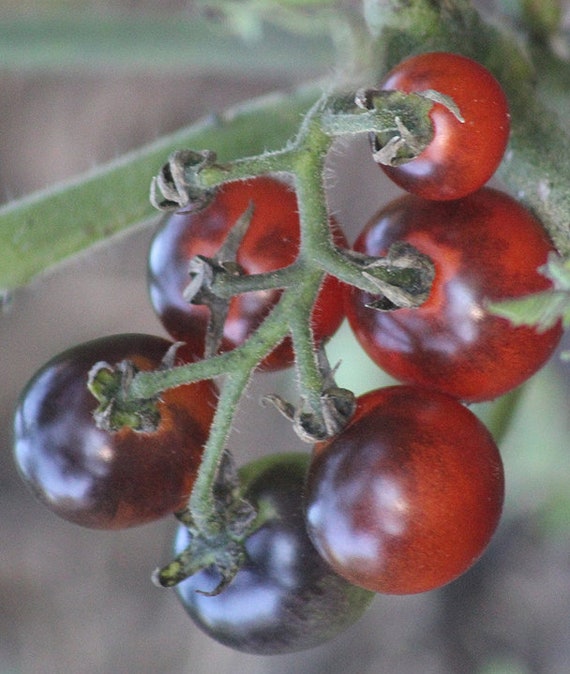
484	247
462	155
271	242
101	479
408	495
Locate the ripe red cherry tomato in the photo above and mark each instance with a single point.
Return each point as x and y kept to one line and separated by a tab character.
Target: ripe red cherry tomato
271	242
462	155
285	598
100	479
485	247
408	495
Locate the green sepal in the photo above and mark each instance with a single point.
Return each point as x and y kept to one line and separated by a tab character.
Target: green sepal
116	410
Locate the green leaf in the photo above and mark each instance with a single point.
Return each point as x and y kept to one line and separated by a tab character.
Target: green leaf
542	309
535	447
172	43
558	271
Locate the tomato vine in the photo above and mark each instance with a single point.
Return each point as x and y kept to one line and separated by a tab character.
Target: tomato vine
403	276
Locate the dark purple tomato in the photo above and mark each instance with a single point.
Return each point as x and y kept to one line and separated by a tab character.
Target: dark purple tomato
103	479
463	155
285	598
408	495
271	242
486	247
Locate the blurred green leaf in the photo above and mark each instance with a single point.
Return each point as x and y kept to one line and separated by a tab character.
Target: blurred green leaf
542	310
535	448
166	43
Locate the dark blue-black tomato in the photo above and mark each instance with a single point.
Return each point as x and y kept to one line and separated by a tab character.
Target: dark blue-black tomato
285	598
109	479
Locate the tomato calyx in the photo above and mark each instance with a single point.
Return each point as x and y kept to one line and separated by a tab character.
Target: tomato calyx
180	182
412	131
335	406
110	384
411	291
410	135
221	543
118	408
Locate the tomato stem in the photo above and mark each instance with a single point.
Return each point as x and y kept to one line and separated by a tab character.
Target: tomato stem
147	384
310	379
201	504
186	181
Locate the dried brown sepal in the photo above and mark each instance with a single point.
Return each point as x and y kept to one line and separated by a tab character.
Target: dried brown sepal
178	186
336	406
205	271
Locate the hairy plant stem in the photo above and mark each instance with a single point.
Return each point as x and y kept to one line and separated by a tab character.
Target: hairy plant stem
309	376
236	366
201	504
147	384
304	158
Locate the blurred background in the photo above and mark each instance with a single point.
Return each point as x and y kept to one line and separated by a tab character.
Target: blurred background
81	601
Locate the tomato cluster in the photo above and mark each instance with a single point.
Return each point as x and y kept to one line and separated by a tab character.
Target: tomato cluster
484	246
408	494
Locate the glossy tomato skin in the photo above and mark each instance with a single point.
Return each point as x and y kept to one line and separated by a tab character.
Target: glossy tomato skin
462	155
271	242
285	598
485	247
101	479
408	495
